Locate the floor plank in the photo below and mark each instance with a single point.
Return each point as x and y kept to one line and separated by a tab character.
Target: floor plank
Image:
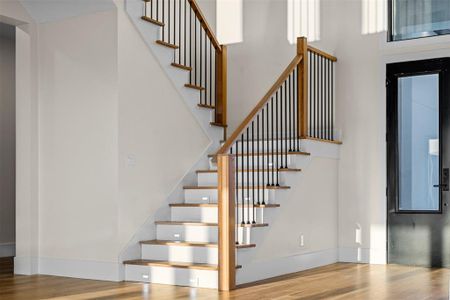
337	281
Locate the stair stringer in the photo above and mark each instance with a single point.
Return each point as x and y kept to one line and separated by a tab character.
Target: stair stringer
150	33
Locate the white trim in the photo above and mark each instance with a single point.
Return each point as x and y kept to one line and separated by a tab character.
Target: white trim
25	265
7	249
265	269
97	270
362	255
321	149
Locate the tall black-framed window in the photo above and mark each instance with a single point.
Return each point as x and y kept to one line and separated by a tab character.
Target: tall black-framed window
411	19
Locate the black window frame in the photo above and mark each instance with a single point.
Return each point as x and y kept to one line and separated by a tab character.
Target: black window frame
390	36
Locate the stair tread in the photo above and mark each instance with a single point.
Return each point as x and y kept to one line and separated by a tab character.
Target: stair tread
215	205
254	170
180	66
206	106
218	124
192	223
153	21
166	44
190	244
193	86
270	153
172	264
205	187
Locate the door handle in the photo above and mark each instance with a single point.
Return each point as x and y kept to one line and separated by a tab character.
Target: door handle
445	180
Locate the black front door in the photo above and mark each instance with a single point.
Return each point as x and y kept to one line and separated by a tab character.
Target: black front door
418	162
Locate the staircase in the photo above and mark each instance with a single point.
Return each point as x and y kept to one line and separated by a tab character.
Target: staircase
212	232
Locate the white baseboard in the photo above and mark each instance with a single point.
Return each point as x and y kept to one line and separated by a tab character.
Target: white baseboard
7	249
96	270
260	270
362	255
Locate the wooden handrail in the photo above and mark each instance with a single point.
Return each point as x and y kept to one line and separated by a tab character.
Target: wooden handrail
322	53
234	136
198	13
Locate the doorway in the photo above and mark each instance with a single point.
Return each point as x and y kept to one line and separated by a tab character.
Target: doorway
418	162
7	146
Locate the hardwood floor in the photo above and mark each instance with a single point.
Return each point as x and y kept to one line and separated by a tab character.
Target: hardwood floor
337	281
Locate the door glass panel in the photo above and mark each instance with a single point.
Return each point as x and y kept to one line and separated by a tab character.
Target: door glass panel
418	134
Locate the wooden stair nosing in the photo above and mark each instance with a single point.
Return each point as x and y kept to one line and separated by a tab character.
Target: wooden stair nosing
170	264
191	244
153	21
165	44
191	223
215	205
281	187
206	106
269	153
218	124
180	66
195	87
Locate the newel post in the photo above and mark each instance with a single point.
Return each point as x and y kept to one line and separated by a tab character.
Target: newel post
302	87
227	222
221	101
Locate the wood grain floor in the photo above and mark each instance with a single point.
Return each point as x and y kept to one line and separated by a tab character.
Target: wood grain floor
337	281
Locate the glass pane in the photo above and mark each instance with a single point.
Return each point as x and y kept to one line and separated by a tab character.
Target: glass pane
419	18
418	123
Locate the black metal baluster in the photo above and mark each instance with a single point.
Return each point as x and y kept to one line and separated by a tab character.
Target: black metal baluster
185	31
179	32
210	72
248	177
280	141
174	23
195	50
168	20
272	138
151	9
190	44
329	100
200	57
323	99
286	95
318	97
332	101
295	110
311	79
267	145
242	179
277	167
206	70
257	155
263	155
297	137
253	169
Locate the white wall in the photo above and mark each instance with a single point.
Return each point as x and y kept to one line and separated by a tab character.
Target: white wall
256	63
107	115
7	140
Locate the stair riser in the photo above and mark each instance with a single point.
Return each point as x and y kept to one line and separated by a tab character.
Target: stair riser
188	233
210	196
210	179
269	161
172	276
202	234
277	146
210	214
188	254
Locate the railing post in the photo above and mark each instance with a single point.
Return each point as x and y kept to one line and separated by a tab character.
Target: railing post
227	222
302	87
221	101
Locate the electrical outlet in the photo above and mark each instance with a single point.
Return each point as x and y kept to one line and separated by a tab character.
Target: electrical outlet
301	241
177	237
145	276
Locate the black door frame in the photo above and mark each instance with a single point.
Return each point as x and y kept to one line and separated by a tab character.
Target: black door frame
395	71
